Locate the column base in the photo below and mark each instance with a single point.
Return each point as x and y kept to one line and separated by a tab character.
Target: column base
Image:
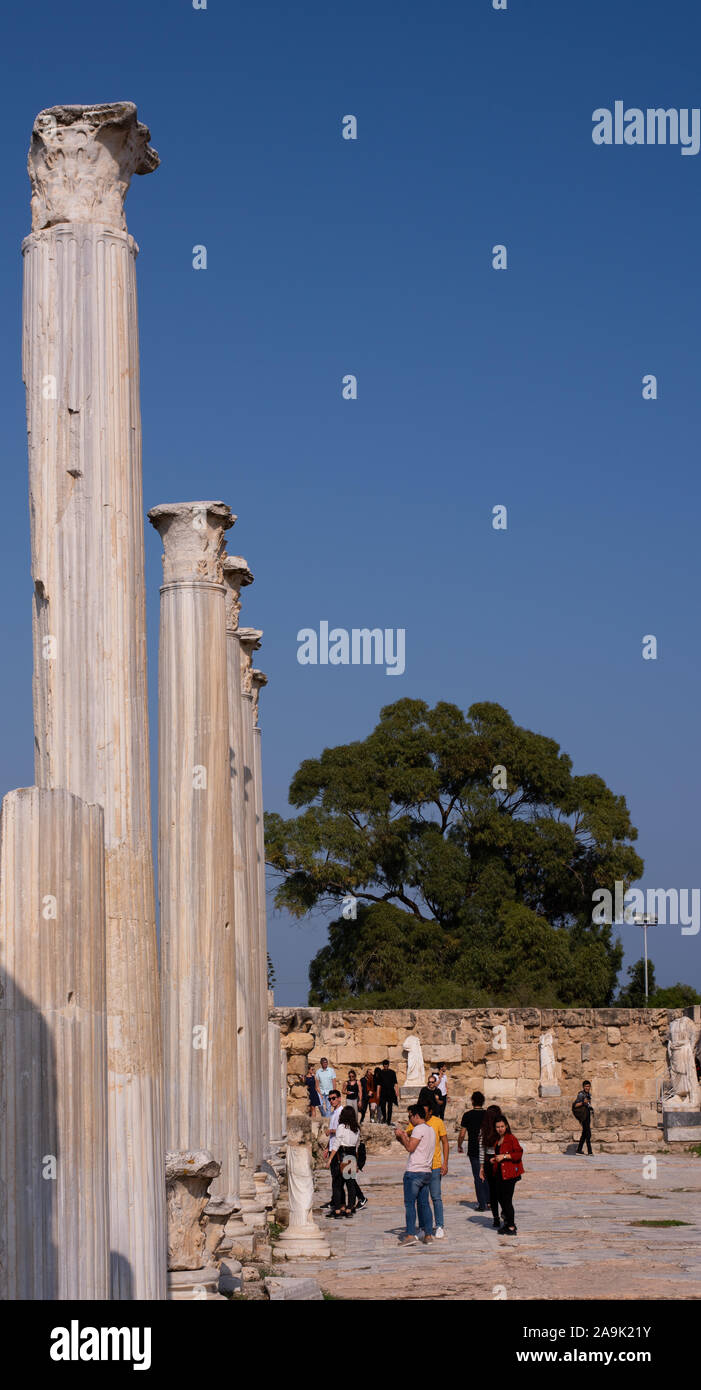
198	1284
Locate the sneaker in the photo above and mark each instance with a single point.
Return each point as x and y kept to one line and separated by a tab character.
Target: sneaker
511	1232
439	1233
428	1240
496	1225
408	1240
481	1208
360	1205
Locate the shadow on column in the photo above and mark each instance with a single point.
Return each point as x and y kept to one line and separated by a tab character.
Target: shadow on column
29	1150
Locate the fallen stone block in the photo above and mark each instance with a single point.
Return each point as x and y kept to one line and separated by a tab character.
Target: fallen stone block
299	1290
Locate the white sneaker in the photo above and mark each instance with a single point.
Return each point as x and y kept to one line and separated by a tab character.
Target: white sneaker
439	1233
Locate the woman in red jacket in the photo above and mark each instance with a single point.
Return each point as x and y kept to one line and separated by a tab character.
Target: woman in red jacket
508	1168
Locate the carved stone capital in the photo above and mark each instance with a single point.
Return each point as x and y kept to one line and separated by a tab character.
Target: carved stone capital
188	1175
193	539
249	638
258	680
81	160
236	576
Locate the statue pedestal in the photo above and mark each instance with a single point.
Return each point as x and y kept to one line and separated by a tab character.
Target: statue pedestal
409	1093
301	1242
552	1090
681	1126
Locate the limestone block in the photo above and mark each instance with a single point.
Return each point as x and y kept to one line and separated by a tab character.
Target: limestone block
499	1088
613	1036
298	1043
526	1088
443	1052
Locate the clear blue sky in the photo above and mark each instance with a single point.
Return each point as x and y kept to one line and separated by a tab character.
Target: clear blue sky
475	387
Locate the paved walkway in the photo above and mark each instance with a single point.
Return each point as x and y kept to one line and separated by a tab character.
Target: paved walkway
575	1238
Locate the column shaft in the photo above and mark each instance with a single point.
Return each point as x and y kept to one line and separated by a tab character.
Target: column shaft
54	1230
195	837
81	369
257	1058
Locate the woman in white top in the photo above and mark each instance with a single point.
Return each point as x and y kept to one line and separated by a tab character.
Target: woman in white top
442	1086
348	1136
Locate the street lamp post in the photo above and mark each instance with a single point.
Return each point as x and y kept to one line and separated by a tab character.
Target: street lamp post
645	920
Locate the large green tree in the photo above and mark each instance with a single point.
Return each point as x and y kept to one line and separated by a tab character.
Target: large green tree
471	851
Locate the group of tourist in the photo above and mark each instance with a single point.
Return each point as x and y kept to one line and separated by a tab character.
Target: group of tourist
377	1090
494	1153
495	1158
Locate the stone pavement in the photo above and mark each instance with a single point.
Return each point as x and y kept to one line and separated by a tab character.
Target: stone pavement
575	1238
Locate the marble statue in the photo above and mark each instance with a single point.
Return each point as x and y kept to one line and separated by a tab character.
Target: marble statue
683	1090
302	1236
415	1068
548	1075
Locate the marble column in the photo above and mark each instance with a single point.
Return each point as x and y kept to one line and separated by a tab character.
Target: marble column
237	575
249	641
81	371
196	879
276	1130
54	1232
258	681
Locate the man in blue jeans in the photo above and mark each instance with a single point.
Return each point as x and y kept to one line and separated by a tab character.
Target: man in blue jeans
420	1146
324	1077
471	1125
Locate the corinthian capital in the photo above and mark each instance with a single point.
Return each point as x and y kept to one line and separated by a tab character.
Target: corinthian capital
81	160
193	539
258	680
236	576
249	638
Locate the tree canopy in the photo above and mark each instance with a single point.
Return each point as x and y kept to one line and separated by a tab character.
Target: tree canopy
632	995
471	852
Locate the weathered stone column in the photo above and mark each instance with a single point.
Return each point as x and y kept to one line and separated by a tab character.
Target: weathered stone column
258	681
276	1056
81	371
54	1232
249	639
236	576
196	879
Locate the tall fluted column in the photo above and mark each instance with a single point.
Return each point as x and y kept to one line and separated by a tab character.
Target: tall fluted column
81	371
54	1235
258	681
249	640
237	575
196	880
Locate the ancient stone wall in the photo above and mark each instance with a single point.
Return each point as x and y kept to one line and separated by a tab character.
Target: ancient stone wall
622	1052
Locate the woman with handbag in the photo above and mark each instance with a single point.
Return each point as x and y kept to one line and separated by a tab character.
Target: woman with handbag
347	1159
508	1170
486	1144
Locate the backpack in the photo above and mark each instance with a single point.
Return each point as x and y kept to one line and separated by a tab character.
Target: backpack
361	1156
579	1110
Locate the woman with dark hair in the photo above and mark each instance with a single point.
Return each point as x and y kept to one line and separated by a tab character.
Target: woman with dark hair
351	1090
487	1146
310	1083
368	1095
508	1167
348	1135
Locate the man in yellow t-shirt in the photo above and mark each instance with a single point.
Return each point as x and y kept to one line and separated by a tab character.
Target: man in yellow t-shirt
439	1168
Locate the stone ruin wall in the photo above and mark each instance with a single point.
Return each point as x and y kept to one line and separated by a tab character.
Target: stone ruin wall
622	1052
